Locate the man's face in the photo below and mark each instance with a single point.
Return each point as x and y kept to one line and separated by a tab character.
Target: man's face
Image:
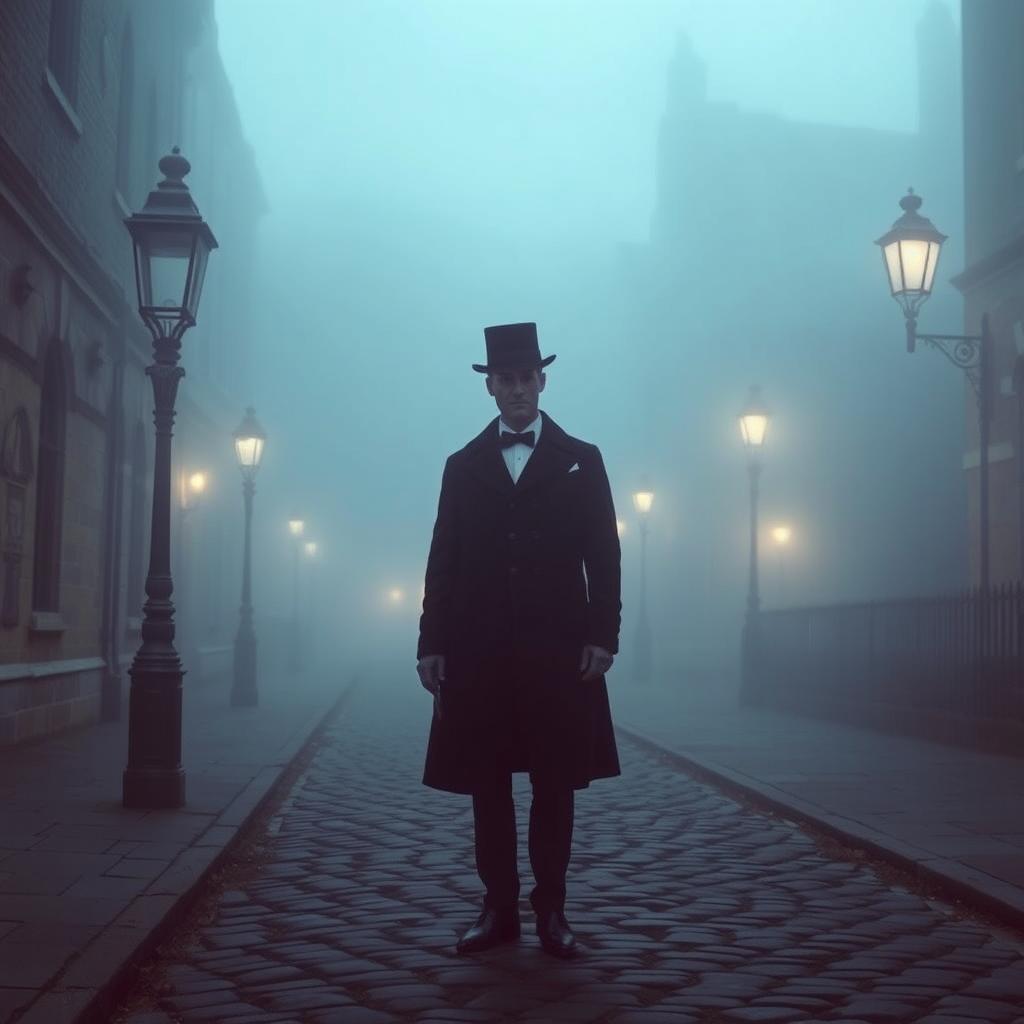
517	393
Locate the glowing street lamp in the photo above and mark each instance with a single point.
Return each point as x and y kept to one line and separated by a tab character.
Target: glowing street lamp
395	595
782	535
249	441
310	547
910	251
643	500
753	429
753	421
193	487
171	244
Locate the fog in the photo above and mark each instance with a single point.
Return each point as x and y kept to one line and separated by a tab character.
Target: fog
684	196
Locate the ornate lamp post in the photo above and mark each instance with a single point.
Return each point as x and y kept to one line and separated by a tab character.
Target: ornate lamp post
642	501
172	244
296	527
249	442
753	428
910	251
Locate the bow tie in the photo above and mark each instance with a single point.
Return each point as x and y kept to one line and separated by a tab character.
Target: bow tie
507	438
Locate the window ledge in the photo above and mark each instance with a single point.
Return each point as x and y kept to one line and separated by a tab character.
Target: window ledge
52	86
47	622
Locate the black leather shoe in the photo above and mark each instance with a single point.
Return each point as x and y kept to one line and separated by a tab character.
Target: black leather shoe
555	935
492	928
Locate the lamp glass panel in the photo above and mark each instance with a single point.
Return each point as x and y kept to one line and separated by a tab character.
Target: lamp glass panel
249	451
892	265
753	427
165	256
917	264
933	262
197	275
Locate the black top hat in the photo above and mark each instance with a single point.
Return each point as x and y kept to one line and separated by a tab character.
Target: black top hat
512	347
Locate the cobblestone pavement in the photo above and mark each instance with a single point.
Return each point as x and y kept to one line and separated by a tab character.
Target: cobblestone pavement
691	907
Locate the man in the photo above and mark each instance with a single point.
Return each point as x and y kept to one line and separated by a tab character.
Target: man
520	622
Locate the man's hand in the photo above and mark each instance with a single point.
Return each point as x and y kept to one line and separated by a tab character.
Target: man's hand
594	661
430	669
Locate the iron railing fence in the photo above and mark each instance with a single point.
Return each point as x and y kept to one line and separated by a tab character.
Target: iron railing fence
961	654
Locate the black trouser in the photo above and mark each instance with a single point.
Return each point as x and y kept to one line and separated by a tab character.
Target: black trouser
550	839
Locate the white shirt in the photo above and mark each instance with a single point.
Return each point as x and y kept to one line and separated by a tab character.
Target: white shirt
518	455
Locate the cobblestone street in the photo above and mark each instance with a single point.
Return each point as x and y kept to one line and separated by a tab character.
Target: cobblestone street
690	907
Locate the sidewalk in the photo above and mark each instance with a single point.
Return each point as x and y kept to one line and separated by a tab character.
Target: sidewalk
950	815
86	884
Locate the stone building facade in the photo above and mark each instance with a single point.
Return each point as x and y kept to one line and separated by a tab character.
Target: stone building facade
92	94
993	280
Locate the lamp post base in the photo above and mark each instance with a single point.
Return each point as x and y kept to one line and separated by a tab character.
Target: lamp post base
154	777
153	788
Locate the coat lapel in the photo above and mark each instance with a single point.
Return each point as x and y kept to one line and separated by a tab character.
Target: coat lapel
551	458
487	463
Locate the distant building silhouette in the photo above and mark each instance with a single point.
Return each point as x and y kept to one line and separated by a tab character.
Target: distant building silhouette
761	268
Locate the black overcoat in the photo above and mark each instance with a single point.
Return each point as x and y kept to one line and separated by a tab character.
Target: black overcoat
519	577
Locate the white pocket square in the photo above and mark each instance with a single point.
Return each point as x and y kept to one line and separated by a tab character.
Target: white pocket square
574	467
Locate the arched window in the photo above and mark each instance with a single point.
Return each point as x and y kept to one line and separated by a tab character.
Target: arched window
125	105
50	484
65	33
137	526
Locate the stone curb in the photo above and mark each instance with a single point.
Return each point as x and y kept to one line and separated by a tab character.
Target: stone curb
87	991
984	893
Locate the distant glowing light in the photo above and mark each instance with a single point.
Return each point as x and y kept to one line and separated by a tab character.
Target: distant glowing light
782	534
296	526
642	501
310	548
395	595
